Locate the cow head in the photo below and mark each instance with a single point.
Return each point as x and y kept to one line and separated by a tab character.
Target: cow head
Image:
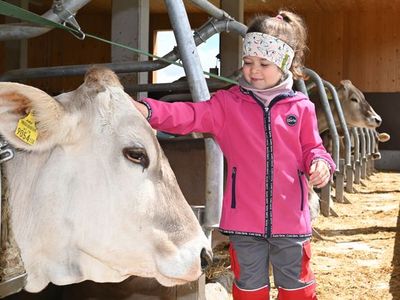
93	196
357	111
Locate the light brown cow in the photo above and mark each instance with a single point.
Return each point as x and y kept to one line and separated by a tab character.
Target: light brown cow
357	111
93	196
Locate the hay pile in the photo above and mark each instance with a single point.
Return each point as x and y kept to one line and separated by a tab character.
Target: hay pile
11	264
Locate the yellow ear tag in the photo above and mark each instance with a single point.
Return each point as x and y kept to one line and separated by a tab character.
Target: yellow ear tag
26	129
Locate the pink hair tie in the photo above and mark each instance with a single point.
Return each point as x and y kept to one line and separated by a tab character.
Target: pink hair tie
279	17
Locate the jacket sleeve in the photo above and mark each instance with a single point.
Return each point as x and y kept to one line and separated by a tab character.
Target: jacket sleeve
311	141
186	117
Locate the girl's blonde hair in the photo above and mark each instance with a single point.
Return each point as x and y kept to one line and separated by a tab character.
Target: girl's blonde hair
290	28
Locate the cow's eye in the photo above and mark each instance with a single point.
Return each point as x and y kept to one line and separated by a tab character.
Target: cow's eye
354	100
137	155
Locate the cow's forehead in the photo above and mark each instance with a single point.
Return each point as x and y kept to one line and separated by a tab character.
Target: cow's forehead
355	91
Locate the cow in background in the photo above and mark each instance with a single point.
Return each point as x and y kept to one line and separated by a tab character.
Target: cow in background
93	197
357	111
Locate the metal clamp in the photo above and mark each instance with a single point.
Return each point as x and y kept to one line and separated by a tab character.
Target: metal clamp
6	152
68	19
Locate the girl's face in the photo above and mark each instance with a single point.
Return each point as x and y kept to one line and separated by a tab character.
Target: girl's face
261	73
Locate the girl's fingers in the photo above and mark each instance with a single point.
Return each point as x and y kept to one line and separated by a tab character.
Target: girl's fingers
320	176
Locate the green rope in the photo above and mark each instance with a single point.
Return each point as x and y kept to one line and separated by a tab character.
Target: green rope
10	10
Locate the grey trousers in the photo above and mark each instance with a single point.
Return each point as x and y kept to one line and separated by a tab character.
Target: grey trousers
289	257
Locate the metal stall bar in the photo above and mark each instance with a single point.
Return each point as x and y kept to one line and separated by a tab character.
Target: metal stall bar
368	150
211	9
326	191
344	163
363	158
373	149
356	158
300	86
198	88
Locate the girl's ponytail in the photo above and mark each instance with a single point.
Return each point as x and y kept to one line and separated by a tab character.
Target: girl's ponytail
297	40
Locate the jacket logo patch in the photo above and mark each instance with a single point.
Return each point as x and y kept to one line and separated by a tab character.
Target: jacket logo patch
291	120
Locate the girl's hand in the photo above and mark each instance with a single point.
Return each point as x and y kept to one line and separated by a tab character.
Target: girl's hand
141	108
319	173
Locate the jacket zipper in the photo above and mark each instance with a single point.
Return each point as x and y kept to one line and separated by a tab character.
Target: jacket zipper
269	162
268	179
300	174
269	167
233	203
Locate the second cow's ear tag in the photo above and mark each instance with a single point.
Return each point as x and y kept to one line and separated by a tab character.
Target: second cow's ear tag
26	129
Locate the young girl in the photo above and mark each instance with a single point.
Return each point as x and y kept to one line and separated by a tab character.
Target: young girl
268	134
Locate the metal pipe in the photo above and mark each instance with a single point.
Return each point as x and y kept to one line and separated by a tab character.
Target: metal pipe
212	10
328	113
199	91
17	31
180	86
362	143
363	158
373	141
357	160
342	121
356	144
75	70
301	86
205	32
367	141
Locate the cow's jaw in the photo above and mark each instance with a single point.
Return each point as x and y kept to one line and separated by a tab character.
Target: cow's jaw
177	265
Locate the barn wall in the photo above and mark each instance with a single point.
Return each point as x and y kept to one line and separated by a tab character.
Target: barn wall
58	48
387	105
362	47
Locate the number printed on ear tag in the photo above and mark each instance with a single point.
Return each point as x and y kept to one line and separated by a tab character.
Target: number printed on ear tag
26	129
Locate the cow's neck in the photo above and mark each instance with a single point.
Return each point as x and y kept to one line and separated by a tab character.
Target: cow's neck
322	120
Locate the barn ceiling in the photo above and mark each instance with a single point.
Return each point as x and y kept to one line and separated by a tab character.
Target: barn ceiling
250	6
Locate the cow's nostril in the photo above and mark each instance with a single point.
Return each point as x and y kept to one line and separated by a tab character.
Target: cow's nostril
206	258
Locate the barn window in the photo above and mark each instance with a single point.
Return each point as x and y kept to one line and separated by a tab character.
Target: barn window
165	42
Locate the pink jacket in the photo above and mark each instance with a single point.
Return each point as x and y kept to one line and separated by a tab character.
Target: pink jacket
268	152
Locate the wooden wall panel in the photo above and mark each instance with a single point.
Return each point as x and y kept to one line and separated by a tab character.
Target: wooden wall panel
325	44
363	47
59	47
373	52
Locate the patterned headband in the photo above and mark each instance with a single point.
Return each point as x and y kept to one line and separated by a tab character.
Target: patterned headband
269	47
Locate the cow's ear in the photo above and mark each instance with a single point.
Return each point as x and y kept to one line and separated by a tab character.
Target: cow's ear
345	82
345	85
28	116
383	137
